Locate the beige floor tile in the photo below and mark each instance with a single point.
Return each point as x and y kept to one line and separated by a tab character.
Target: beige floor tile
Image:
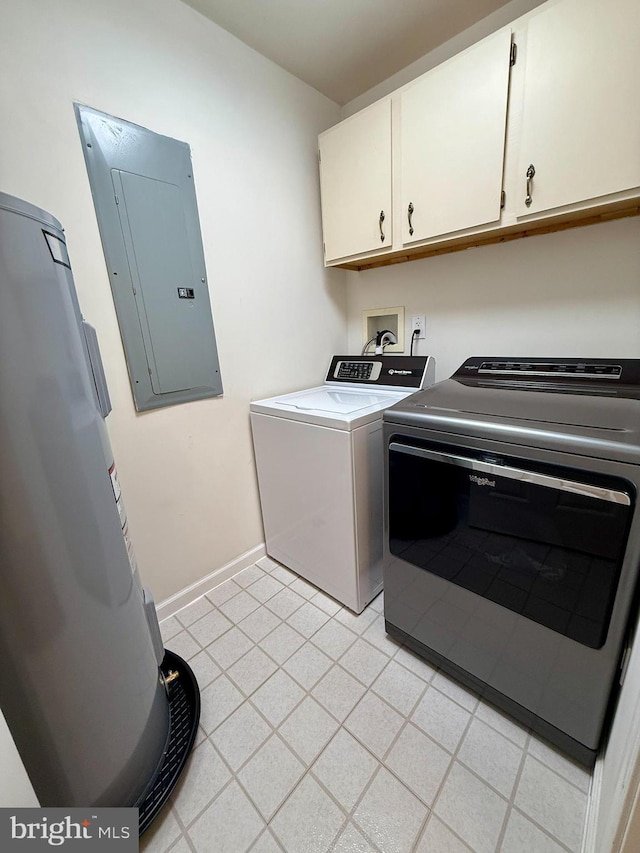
345	768
308	729
229	648
502	723
338	692
270	776
252	670
491	756
471	809
552	802
374	723
230	824
223	592
204	777
376	634
438	838
204	669
217	701
334	639
281	643
277	697
265	588
418	762
169	628
248	576
400	687
308	665
390	815
309	820
364	662
259	623
184	645
547	754
190	614
285	602
307	619
522	835
451	688
441	718
357	622
353	841
240	736
239	606
266	844
209	628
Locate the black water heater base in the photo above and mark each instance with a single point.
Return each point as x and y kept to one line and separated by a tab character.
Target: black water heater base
184	714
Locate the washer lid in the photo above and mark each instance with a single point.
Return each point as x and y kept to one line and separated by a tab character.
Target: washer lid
327	406
338	401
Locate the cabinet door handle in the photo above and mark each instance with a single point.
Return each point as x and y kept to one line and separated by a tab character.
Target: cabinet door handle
409	215
380	221
530	173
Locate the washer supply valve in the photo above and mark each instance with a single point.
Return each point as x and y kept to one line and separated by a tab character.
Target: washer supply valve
383	339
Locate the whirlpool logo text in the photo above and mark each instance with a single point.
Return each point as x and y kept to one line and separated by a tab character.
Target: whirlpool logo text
482	481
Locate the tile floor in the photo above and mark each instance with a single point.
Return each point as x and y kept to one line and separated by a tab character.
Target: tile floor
320	733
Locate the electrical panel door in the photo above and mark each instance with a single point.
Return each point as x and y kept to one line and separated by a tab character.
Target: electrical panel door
143	191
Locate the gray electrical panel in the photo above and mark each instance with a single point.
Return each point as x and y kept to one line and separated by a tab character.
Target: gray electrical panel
143	191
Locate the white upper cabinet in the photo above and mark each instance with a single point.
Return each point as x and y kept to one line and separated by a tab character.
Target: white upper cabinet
355	183
581	108
452	135
558	132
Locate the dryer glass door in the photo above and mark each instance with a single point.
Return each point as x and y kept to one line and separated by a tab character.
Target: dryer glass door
547	545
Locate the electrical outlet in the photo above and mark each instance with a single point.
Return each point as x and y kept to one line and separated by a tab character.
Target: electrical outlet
418	321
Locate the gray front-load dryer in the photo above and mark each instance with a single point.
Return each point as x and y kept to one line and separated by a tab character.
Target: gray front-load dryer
512	535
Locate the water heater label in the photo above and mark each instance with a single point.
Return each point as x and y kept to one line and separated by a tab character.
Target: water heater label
117	493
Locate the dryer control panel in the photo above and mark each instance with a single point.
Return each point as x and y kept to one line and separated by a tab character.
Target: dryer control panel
602	376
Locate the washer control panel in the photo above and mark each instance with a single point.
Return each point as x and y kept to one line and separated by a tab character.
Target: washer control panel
358	371
389	371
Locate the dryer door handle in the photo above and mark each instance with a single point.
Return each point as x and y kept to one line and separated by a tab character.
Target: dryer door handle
530	477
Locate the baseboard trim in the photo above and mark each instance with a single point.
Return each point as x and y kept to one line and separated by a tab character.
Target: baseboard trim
190	593
593	806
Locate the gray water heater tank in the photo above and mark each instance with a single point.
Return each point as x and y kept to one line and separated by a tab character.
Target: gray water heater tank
81	688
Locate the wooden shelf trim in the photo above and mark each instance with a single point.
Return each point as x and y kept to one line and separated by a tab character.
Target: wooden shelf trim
503	235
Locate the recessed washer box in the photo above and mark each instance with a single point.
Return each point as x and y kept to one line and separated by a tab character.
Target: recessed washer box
377	319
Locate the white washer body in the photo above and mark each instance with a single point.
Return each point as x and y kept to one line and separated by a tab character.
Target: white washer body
319	457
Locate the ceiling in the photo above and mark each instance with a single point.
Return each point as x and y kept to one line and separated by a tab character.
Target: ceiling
344	47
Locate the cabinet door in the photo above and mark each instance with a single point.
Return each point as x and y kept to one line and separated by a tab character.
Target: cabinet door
581	120
355	181
453	124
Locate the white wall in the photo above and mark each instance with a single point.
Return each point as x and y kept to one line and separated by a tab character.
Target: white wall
574	293
187	471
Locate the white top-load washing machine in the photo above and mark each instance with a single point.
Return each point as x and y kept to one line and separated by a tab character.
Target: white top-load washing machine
319	457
